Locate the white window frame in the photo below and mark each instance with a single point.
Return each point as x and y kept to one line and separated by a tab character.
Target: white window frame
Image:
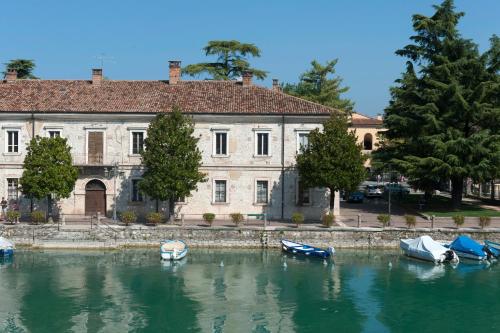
54	131
6	136
140	194
298	133
104	150
131	140
268	192
214	142
256	141
17	189
297	195
183	202
214	188
49	129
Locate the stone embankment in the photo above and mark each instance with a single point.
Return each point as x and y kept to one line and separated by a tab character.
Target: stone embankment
50	236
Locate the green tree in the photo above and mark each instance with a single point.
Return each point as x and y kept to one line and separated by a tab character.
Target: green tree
442	119
171	159
24	68
332	159
48	170
317	85
231	60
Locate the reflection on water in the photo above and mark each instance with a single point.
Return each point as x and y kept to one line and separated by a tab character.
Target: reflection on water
252	291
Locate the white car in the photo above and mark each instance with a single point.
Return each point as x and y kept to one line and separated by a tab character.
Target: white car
372	191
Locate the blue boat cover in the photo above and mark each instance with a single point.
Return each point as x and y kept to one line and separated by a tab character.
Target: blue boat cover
467	245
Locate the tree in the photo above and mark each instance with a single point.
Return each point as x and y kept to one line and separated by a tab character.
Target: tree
332	159
317	85
48	170
231	61
24	68
171	159
442	120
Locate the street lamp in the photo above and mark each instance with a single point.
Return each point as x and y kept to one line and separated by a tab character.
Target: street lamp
114	172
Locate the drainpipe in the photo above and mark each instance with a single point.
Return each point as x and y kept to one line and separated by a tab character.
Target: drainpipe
282	167
32	136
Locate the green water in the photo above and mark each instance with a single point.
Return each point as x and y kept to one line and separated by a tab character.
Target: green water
132	291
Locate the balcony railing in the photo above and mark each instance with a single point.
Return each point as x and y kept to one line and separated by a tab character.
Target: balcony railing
97	159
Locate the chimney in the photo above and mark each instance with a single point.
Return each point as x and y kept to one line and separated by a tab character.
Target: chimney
174	71
11	75
96	76
276	85
247	78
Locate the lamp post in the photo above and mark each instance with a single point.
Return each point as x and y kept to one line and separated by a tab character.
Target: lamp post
114	172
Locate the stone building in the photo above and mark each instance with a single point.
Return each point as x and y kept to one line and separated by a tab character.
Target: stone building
249	136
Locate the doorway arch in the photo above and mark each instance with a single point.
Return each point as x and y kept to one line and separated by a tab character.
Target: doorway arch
95	197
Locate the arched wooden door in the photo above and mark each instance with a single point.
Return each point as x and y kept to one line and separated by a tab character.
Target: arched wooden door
95	198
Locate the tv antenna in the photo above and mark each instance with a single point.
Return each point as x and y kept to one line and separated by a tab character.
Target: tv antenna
101	58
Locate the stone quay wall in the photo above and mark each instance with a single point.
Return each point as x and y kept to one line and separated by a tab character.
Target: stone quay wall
49	236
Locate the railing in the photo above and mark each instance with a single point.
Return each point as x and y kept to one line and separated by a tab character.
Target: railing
97	159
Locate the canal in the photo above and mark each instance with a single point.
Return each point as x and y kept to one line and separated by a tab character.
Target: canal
244	291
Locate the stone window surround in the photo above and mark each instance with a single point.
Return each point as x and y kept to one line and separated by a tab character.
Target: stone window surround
95	129
131	131
7	129
298	132
268	131
215	131
132	180
297	195
227	191
255	203
49	129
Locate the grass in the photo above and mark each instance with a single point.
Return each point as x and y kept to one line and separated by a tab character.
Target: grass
441	207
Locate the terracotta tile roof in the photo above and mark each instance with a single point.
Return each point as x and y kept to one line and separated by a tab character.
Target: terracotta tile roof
367	122
149	96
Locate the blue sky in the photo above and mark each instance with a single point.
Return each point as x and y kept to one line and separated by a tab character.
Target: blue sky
66	37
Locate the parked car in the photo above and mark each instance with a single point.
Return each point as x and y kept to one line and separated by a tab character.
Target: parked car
396	188
372	191
357	196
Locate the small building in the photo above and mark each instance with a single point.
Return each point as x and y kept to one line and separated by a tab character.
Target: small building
249	137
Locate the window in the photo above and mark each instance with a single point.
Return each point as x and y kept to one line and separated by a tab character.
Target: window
220	191
367	142
262	141
12	189
95	147
12	141
136	192
220	143
302	141
137	142
180	200
262	191
304	195
54	134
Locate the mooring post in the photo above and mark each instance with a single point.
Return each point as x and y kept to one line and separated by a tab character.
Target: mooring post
182	219
359	220
98	220
432	221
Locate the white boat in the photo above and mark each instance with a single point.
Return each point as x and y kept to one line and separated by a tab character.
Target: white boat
173	249
426	248
6	247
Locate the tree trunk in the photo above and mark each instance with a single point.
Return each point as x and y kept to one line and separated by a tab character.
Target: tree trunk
157	206
427	196
332	201
457	186
171	210
492	192
49	208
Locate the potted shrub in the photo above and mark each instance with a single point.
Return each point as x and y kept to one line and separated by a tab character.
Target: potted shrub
411	221
154	218
128	217
384	219
458	220
328	220
237	218
298	218
209	218
37	217
13	216
484	221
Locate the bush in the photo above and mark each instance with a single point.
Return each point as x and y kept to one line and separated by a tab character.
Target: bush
484	221
237	218
298	218
13	216
37	216
328	220
128	217
411	221
384	219
209	218
458	220
154	218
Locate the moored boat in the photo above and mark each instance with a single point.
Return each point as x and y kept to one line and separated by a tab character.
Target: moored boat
466	247
6	247
306	250
426	248
173	249
493	248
